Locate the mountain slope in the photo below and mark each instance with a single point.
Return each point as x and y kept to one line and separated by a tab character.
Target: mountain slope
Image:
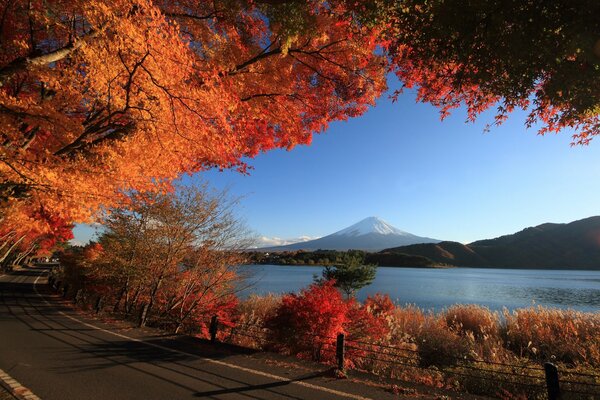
573	245
370	234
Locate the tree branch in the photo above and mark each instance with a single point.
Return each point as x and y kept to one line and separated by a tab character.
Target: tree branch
24	63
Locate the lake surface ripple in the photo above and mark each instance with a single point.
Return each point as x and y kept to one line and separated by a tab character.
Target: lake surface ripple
439	288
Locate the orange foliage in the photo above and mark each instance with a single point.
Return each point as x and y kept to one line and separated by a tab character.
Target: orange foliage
100	97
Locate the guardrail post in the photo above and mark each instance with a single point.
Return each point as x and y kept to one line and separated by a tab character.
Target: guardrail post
213	328
339	351
99	304
552	382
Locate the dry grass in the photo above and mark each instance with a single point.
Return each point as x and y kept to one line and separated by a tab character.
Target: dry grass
406	323
250	321
472	320
255	309
563	336
465	346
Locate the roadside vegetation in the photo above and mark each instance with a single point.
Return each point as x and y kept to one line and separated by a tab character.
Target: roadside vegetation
168	259
466	347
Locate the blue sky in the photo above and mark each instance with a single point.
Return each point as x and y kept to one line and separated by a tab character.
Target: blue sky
443	179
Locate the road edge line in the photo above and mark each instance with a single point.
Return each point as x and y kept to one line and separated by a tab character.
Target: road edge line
208	360
15	388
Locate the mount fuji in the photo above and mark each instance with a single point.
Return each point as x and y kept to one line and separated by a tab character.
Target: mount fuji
370	234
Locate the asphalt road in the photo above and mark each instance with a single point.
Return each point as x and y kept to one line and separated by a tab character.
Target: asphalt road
60	354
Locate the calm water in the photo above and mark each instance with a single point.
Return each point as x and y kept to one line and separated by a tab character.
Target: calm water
439	288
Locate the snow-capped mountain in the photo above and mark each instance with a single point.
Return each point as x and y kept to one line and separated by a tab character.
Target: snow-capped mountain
370	234
370	225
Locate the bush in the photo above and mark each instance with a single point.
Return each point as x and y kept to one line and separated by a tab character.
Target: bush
250	320
306	324
406	324
380	305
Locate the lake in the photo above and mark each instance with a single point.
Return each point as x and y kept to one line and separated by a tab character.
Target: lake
439	288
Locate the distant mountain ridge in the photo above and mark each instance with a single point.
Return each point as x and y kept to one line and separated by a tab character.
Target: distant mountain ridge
575	245
370	234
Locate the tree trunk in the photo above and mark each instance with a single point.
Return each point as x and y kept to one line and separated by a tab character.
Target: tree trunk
153	293
129	304
121	294
11	248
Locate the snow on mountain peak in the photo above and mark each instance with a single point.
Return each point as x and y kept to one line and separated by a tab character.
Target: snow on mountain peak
371	225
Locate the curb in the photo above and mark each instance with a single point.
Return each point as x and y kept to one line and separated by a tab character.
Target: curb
19	391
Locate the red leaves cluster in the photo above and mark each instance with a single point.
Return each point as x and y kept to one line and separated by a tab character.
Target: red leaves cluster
307	324
128	95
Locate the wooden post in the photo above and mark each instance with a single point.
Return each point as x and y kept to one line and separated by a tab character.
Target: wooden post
99	304
213	328
339	351
552	382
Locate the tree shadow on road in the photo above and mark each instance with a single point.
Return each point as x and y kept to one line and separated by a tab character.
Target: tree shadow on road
183	361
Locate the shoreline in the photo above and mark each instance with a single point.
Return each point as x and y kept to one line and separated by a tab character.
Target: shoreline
379	266
442	266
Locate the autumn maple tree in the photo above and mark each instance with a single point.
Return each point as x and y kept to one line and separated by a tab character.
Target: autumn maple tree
99	98
306	324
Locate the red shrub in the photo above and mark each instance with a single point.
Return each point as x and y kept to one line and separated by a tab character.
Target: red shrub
306	324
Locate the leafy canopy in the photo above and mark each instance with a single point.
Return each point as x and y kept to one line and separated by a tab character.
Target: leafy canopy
99	98
541	56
